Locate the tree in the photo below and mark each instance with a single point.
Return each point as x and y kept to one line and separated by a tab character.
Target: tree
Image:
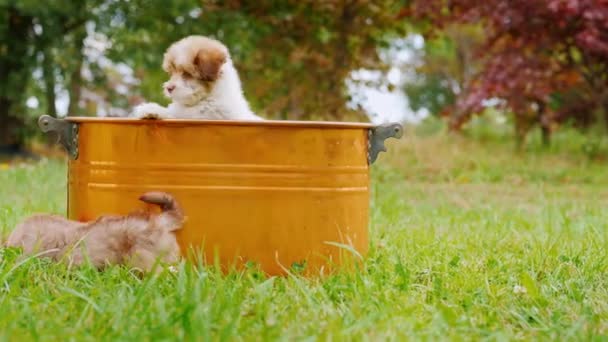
28	35
533	52
14	66
445	67
317	43
293	56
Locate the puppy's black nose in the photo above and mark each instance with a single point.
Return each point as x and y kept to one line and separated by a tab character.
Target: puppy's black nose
170	88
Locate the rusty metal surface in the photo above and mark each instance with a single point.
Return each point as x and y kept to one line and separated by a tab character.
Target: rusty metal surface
274	195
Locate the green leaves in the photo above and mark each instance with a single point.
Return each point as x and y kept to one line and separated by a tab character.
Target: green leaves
293	57
530	51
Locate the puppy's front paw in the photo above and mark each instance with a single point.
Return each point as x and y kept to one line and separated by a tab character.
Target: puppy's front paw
149	111
151	116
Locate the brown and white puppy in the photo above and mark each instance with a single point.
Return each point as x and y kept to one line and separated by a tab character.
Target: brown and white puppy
203	84
138	239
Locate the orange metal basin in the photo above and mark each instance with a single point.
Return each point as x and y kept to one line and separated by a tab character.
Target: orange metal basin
274	193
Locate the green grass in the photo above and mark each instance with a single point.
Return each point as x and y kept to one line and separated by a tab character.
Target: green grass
468	241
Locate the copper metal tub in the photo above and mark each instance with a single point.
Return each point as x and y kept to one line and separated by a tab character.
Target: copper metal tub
275	193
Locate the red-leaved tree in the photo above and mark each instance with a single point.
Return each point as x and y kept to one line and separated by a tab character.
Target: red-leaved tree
534	53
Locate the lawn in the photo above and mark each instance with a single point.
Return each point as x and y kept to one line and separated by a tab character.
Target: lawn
469	240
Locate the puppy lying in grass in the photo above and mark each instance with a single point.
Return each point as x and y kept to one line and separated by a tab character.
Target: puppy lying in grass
138	239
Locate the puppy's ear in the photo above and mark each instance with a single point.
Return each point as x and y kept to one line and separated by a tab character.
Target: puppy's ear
208	63
168	65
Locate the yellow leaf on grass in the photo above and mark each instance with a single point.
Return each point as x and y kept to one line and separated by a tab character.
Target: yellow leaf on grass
530	284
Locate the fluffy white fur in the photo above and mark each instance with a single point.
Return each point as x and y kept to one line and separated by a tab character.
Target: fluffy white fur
203	84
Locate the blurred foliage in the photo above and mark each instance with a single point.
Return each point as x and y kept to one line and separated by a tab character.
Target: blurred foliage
293	56
534	53
36	38
447	67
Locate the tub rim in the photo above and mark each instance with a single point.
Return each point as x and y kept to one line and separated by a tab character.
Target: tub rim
67	128
268	123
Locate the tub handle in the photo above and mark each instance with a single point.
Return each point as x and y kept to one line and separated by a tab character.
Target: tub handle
66	131
376	138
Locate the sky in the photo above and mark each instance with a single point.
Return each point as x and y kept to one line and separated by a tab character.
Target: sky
381	104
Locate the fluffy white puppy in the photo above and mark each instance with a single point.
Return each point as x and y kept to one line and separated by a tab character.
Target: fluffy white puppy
203	84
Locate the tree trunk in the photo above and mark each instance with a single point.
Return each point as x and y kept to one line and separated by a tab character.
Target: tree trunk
14	67
48	73
521	132
10	137
334	99
602	104
545	124
76	76
545	135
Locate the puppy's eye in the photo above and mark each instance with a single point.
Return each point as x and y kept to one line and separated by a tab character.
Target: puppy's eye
186	75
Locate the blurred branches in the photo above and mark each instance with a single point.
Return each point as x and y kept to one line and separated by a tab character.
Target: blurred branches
545	62
535	55
294	56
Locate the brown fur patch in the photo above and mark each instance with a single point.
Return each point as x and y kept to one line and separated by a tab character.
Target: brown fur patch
197	56
137	239
208	63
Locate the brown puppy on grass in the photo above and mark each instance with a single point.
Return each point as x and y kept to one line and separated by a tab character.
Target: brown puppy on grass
138	239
